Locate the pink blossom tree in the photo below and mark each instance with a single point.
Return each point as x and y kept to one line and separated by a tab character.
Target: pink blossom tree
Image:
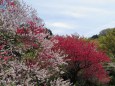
25	51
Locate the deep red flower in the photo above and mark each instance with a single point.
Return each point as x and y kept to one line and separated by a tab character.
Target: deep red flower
35	45
22	31
12	4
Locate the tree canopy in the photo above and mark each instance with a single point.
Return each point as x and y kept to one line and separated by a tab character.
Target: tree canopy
107	42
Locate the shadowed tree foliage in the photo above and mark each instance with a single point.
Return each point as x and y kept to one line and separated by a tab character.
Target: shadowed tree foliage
95	37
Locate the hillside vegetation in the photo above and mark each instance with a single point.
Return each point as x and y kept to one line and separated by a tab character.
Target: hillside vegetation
30	55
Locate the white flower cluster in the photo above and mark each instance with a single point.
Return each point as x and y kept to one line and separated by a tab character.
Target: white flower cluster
14	15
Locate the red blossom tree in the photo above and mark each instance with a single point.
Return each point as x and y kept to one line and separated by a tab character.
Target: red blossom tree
83	58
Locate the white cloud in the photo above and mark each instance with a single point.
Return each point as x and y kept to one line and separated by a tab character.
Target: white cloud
60	25
82	12
62	16
75	9
61	28
97	30
108	25
97	1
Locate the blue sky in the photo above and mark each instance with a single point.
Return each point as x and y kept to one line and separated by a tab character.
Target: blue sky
85	17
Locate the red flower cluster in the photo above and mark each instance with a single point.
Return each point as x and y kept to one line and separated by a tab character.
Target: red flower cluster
9	2
22	31
83	57
34	28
